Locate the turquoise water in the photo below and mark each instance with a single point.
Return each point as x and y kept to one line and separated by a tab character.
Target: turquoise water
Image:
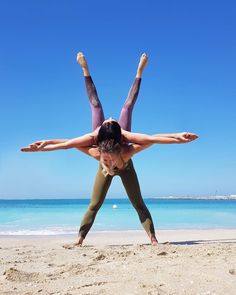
48	217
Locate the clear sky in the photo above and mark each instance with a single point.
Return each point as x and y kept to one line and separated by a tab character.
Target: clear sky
189	85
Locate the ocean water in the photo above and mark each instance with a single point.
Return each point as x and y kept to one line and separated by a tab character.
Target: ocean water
53	217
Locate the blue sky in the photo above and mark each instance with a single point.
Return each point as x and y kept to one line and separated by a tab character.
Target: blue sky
189	85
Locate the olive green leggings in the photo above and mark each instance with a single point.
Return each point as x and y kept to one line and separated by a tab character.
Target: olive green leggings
101	186
127	175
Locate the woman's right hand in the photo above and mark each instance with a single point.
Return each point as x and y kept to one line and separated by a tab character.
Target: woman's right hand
36	146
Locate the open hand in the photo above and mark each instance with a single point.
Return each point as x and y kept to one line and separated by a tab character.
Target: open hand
185	137
35	146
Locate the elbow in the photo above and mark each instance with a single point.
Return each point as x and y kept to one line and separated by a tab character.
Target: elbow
66	147
148	140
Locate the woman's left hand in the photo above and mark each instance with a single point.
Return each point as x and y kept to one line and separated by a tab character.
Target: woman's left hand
185	137
30	148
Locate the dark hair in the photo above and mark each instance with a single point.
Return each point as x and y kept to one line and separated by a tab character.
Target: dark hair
109	146
109	130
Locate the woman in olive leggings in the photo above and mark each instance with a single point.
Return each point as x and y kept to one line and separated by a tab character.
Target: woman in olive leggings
127	174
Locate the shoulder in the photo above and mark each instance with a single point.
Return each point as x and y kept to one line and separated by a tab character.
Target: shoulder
126	152
94	135
125	135
91	151
94	152
133	149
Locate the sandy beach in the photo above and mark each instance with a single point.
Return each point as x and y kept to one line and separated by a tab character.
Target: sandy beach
185	262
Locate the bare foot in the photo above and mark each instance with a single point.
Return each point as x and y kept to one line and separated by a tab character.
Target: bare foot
79	242
154	240
142	63
82	61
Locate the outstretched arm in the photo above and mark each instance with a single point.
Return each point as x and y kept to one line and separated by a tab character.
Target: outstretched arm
140	138
166	139
60	144
183	137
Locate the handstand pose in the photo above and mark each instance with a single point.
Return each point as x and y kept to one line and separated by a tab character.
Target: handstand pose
108	143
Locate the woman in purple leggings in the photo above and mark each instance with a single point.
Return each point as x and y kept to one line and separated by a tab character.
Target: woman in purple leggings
109	139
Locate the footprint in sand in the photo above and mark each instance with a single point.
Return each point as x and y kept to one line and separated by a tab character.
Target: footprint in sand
69	246
16	275
100	257
163	253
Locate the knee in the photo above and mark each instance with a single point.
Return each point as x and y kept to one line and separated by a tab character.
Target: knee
128	106
95	102
94	207
139	206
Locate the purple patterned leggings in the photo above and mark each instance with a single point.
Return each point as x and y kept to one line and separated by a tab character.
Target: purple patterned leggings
96	107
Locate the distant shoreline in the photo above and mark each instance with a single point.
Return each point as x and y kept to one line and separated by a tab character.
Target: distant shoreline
197	198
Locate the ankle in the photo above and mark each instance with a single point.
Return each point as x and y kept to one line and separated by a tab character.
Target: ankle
86	71
153	239
139	73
